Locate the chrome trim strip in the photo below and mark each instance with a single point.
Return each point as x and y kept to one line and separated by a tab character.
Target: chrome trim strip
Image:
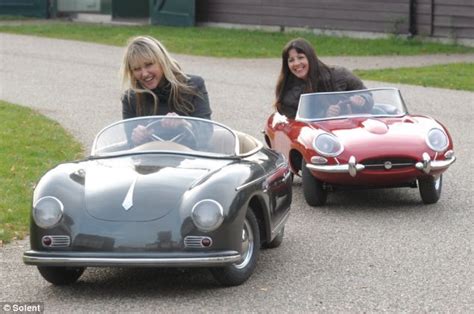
401	164
277	168
243	186
151	262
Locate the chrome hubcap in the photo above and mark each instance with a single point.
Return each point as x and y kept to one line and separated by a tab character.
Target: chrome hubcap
247	246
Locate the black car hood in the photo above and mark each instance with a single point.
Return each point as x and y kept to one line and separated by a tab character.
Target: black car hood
142	188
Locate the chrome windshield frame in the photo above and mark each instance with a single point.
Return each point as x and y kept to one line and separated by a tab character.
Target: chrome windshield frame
366	115
94	154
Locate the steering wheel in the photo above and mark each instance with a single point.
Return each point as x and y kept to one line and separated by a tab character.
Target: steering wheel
181	134
345	106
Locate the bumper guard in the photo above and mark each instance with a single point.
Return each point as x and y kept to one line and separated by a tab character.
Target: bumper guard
352	167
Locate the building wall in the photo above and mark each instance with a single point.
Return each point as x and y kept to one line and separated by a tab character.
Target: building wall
436	18
84	6
30	8
454	20
127	8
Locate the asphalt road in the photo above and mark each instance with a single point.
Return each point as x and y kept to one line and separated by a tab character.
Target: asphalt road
366	251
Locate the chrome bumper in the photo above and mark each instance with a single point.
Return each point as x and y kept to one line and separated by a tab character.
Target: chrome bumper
352	167
427	164
42	259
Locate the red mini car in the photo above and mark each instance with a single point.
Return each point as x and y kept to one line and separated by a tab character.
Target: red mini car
334	143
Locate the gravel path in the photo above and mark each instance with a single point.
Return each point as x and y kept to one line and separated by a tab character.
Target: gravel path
354	255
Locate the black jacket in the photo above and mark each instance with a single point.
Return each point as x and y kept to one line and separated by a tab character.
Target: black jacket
200	101
342	80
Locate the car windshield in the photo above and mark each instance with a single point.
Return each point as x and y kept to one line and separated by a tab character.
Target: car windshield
377	102
165	134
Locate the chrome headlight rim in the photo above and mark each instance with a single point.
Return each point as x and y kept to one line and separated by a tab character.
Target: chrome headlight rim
40	222
430	145
324	153
219	218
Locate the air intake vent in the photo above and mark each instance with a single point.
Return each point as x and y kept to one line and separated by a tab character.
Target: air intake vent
56	241
197	242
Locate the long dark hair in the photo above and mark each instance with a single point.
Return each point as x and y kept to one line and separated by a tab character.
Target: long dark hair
319	75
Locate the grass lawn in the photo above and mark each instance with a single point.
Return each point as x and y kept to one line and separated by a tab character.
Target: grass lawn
220	42
453	76
30	144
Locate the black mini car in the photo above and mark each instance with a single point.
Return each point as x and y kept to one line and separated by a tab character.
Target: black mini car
195	193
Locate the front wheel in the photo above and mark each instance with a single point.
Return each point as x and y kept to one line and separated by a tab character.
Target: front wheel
313	190
61	275
238	273
430	188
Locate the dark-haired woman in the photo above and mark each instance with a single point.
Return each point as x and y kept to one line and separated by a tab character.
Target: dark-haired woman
302	72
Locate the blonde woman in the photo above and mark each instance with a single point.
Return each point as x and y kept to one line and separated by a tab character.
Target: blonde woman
154	84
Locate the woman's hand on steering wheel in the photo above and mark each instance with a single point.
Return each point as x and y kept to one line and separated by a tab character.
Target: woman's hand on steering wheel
140	135
172	123
357	101
333	110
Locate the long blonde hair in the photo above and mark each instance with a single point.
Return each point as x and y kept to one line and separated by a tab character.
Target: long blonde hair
147	49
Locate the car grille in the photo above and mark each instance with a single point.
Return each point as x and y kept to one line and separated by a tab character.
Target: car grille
58	240
195	241
388	163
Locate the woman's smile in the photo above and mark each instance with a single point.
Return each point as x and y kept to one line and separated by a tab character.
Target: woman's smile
148	74
298	64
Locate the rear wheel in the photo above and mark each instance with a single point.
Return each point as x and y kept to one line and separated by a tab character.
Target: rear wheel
61	275
237	273
313	191
430	188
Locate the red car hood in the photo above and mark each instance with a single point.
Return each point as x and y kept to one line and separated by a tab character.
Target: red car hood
127	189
369	138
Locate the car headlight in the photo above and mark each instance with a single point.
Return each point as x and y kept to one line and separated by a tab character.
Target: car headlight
437	140
207	215
47	211
327	145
